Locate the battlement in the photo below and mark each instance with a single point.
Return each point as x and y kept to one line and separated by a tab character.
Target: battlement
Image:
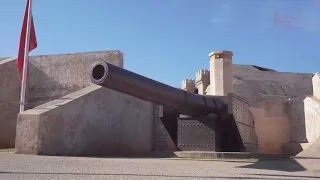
189	85
202	75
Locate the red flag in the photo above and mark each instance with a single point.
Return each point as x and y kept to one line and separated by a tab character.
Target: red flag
22	43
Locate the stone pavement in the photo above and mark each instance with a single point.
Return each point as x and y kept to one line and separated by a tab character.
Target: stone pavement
24	167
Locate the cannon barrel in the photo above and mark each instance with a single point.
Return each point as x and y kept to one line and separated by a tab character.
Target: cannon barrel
121	80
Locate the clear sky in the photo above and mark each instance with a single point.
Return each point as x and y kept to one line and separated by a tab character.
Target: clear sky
169	40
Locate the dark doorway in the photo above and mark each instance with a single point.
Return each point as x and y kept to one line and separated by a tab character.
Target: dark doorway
230	139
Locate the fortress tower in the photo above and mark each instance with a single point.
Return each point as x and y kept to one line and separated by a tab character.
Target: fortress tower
189	85
221	75
202	80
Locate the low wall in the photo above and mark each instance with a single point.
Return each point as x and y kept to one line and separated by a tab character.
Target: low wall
50	77
9	102
271	125
287	126
54	76
162	138
304	113
88	122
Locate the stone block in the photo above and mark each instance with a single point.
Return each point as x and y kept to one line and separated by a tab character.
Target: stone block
316	85
296	113
9	101
271	126
162	139
293	149
304	119
220	54
50	77
312	118
88	122
221	73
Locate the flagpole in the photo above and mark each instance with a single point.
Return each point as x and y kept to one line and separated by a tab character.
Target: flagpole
25	61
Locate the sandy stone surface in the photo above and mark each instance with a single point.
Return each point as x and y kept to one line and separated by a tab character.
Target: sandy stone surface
17	166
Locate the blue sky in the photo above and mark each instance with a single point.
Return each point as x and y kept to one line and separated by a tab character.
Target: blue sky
169	40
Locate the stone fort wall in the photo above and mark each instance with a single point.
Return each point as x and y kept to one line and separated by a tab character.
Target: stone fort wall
50	77
93	121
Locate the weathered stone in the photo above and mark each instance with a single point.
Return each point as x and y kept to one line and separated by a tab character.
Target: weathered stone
304	119
50	77
53	76
162	139
202	80
88	122
255	85
271	126
188	85
316	85
9	102
221	73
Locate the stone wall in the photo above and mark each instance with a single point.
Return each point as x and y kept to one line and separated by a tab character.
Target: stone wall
9	102
88	122
3	58
287	126
53	76
255	85
304	113
271	125
50	77
162	139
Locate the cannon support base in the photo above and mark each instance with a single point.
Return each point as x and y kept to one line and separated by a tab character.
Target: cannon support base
198	133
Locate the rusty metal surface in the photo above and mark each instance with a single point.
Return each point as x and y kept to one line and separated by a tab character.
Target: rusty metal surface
239	107
198	134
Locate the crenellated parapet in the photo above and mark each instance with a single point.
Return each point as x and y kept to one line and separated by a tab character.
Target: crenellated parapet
189	85
202	80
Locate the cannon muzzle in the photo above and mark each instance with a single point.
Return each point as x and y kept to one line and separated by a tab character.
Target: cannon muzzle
124	81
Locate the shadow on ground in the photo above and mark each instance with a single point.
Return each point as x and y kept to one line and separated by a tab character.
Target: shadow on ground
287	165
275	176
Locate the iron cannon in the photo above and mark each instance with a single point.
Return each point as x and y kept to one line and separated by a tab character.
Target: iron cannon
119	79
195	122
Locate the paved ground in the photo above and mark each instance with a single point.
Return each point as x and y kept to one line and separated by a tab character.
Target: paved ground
16	167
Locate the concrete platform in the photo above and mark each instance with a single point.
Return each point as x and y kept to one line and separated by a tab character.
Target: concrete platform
22	167
295	148
313	151
222	155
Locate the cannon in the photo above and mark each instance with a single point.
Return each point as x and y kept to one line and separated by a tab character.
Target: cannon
116	78
202	118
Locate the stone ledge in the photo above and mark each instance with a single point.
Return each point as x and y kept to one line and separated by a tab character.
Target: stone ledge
220	54
295	148
87	122
222	155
